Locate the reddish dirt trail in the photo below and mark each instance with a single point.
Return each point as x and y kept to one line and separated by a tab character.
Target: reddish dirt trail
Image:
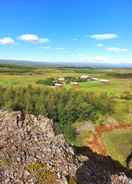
95	142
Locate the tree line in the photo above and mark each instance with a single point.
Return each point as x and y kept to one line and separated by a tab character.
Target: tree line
64	106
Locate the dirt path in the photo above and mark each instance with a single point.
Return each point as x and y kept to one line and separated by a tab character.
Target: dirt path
95	142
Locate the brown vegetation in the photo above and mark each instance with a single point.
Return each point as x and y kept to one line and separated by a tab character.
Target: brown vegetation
95	141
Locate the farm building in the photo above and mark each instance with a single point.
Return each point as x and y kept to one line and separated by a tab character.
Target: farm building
58	85
61	79
104	80
75	83
94	79
84	77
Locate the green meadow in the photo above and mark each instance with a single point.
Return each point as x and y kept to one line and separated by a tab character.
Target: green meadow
118	144
31	89
120	79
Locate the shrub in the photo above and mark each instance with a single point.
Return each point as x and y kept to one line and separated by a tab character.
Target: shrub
48	82
62	105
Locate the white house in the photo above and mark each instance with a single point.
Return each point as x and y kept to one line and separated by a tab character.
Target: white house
58	85
75	83
94	79
84	77
104	80
61	79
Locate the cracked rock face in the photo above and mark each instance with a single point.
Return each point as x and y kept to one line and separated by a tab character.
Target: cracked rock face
29	140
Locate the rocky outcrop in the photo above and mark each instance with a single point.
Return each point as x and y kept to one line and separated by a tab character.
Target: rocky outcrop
31	153
30	142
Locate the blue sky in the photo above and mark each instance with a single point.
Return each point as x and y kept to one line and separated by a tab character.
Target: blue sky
66	30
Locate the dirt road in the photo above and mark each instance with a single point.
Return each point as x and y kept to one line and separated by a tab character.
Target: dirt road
95	142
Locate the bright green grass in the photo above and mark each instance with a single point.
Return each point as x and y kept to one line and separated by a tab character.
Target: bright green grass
118	144
29	76
90	84
115	87
7	82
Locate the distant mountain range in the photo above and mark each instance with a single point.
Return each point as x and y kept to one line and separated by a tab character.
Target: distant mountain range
65	64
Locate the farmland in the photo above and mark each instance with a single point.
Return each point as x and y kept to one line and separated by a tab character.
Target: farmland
120	79
32	89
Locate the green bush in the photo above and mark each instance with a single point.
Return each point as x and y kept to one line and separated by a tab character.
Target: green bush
48	81
69	79
62	105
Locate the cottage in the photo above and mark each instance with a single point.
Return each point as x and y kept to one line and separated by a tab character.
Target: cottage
61	79
58	85
75	83
94	79
84	77
104	80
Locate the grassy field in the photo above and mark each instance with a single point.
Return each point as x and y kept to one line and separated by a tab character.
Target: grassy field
118	144
119	87
16	75
120	81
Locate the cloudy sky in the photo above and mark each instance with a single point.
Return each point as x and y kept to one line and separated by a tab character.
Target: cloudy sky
66	30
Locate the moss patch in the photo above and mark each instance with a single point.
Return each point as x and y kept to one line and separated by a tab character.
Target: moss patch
42	174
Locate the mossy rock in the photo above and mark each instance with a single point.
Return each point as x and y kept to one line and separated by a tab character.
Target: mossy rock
5	163
42	174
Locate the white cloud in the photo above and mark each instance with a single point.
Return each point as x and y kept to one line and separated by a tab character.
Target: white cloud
106	59
105	36
46	47
99	59
59	48
124	49
71	55
100	45
86	58
6	41
43	40
116	49
32	38
81	55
